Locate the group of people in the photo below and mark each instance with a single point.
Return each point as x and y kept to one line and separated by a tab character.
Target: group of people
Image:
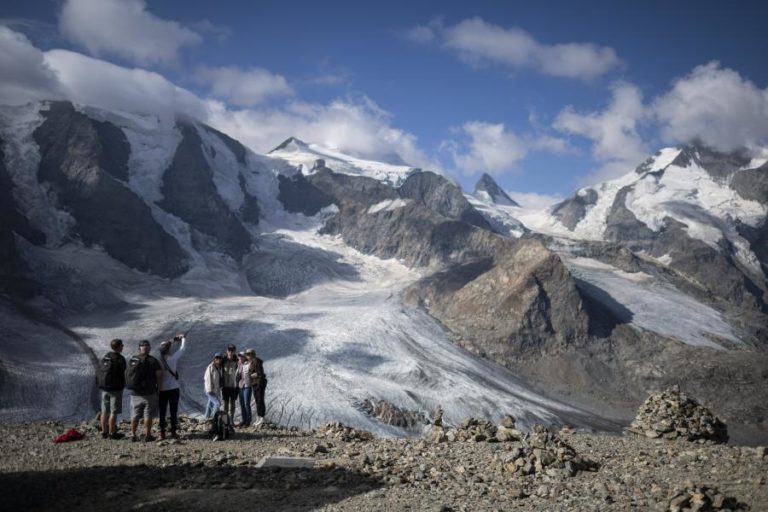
236	376
153	385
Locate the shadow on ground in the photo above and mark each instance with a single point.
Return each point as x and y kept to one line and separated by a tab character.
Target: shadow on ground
181	488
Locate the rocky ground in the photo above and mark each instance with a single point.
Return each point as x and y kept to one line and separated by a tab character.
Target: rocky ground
475	467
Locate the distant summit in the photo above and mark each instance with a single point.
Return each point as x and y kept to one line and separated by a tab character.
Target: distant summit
291	143
487	188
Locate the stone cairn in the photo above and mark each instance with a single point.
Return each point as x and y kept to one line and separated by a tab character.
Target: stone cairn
672	414
700	498
474	429
544	452
337	430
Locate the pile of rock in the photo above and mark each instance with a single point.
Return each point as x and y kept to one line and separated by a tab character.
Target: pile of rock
543	452
337	430
475	429
672	414
700	498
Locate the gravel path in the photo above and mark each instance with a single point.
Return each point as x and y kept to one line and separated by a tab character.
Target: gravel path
382	474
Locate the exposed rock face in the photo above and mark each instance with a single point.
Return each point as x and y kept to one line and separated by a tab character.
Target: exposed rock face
11	218
622	225
442	197
237	149
83	162
487	185
752	184
672	414
250	211
572	210
413	223
190	193
526	302
298	195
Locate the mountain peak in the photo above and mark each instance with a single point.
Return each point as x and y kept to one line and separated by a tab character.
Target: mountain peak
487	188
291	143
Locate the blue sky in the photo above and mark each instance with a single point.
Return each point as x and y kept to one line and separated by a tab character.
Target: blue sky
546	97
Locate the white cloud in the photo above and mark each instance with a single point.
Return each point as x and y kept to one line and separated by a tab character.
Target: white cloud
24	74
126	29
715	105
354	125
243	87
492	148
533	200
616	144
97	83
478	41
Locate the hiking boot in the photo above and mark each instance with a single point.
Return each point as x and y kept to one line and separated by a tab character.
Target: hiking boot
116	435
174	435
134	438
149	438
162	435
104	435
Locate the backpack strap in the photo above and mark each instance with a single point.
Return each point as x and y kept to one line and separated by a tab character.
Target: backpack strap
165	364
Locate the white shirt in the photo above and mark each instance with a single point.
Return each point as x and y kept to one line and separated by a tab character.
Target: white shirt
168	381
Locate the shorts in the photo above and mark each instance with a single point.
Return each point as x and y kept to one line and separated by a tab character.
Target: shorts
144	406
111	402
230	393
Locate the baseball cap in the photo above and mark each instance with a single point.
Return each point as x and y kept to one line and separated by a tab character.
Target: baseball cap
144	343
219	355
231	347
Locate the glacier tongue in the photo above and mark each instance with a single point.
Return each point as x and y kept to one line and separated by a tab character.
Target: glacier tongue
327	347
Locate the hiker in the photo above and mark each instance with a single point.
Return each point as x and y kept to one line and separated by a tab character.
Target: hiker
169	384
245	389
213	379
142	378
258	383
112	382
229	385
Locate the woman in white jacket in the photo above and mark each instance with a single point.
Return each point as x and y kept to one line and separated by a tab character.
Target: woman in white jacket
214	379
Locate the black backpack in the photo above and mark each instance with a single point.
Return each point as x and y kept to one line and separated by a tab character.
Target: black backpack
138	376
111	374
222	428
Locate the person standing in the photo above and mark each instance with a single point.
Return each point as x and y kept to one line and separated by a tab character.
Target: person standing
213	383
142	378
169	384
229	385
245	389
111	377
258	383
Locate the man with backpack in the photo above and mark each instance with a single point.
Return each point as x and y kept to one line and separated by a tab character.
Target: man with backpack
142	378
169	384
111	377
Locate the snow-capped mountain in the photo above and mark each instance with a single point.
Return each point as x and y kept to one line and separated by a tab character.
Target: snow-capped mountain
357	279
488	190
311	157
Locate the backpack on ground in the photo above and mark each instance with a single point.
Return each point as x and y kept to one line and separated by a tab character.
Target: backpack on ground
111	376
222	428
138	375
